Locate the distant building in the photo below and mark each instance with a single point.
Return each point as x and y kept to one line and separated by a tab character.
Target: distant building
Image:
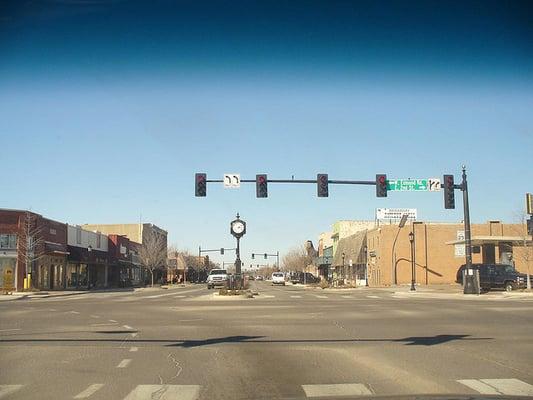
344	228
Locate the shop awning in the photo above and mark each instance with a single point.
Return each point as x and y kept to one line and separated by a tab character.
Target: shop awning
496	240
55	248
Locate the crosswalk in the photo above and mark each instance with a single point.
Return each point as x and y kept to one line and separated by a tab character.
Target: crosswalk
507	387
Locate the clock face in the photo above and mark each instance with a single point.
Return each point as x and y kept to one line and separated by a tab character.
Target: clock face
238	227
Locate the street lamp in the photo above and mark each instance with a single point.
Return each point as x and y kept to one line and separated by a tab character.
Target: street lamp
412	240
89	249
366	265
343	257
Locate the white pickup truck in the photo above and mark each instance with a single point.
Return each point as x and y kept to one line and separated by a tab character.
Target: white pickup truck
217	277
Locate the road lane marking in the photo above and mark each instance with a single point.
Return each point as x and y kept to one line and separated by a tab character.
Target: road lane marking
6	390
133	349
12	329
511	387
373	297
124	363
127	327
74	312
267	296
52	309
164	392
347	297
111	320
105	324
318	296
95	316
341	389
190	320
180	296
296	297
92	389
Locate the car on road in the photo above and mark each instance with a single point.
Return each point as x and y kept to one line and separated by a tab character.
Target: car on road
278	278
496	276
217	277
303	278
258	278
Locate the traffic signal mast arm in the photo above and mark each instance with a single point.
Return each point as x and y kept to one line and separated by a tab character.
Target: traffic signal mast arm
335	182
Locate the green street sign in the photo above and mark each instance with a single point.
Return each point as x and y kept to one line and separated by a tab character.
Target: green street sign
408	184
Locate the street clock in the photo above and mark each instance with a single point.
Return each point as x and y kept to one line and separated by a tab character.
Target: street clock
238	227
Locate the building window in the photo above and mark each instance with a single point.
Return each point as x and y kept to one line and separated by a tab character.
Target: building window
8	241
78	236
53	231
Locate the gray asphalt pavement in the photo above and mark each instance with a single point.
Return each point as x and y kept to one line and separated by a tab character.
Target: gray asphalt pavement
287	343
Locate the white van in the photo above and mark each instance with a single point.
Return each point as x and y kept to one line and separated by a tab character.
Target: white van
278	278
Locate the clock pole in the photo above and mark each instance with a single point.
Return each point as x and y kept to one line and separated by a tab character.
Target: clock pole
238	229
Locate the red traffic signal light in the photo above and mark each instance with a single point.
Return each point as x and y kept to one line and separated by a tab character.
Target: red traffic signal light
261	186
381	185
322	182
200	182
449	192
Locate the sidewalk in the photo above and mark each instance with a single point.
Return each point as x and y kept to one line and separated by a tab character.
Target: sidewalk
61	293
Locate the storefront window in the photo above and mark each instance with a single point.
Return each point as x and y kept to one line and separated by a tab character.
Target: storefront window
72	276
82	278
7	263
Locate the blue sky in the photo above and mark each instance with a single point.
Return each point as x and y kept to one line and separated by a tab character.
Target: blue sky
107	110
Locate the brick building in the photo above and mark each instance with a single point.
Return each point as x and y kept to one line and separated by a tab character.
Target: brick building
31	245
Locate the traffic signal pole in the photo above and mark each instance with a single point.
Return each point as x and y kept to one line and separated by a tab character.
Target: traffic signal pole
466	209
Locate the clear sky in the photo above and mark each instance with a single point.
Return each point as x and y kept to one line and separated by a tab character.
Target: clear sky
108	108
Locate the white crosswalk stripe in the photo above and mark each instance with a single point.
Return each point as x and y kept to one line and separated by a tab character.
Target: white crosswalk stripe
347	297
341	389
6	390
296	297
164	392
510	387
373	297
92	389
318	296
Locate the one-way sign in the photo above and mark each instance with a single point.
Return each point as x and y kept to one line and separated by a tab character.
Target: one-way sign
232	181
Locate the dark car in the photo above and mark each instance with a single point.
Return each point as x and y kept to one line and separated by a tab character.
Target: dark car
492	276
300	277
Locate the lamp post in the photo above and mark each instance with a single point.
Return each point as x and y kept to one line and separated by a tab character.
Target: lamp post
89	249
343	257
412	240
366	266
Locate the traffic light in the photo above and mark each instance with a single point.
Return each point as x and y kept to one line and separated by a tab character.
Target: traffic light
253	256
529	203
530	226
322	185
201	185
206	261
261	188
265	256
449	192
222	250
381	185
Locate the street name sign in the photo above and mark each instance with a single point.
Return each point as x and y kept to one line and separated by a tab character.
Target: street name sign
232	181
414	185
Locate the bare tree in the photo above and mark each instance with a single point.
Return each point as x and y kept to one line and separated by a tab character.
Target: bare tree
297	259
153	254
31	241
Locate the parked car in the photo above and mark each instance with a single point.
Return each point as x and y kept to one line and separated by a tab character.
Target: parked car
278	278
217	277
251	278
493	276
258	278
301	277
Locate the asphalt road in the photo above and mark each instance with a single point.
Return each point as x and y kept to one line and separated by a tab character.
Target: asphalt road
287	343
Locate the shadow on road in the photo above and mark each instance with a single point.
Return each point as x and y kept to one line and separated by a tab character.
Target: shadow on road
409	341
